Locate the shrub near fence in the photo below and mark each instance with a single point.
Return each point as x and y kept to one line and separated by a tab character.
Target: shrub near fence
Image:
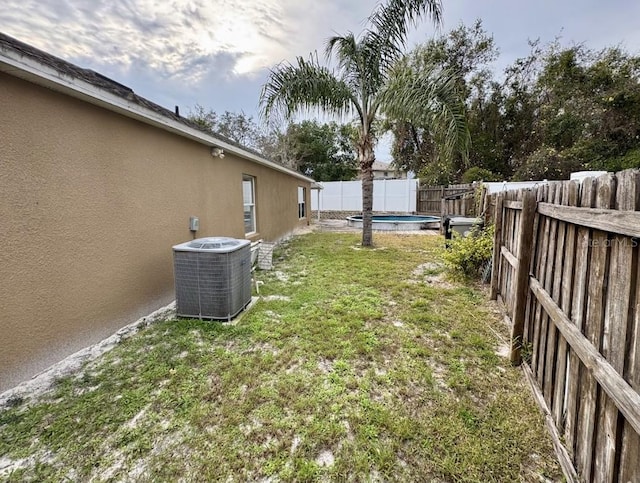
566	266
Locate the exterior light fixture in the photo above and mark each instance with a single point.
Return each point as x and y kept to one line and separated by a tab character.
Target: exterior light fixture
217	152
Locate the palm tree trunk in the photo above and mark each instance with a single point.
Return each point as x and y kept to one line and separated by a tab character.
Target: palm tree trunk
367	157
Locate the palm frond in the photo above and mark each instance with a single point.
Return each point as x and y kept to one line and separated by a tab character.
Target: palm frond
350	61
390	25
345	48
393	20
358	66
428	98
305	86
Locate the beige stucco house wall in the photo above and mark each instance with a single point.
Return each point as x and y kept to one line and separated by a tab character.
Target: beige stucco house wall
93	196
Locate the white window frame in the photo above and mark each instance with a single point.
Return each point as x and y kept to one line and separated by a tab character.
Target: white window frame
251	205
302	202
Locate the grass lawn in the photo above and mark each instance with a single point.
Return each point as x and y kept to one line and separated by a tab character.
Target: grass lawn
357	365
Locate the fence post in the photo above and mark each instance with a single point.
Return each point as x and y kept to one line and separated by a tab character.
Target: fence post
384	195
525	244
497	247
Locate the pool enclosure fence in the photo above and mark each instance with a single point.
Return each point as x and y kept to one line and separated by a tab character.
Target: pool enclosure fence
345	197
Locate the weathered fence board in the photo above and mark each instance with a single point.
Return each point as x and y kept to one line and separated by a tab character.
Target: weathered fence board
562	381
555	273
578	316
593	325
629	185
513	205
614	334
525	233
547	339
460	204
508	249
497	237
611	381
539	327
601	219
510	257
563	456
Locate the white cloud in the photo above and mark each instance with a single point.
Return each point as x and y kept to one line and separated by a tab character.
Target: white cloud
175	38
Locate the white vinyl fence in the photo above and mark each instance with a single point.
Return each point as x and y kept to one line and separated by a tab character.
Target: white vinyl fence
393	195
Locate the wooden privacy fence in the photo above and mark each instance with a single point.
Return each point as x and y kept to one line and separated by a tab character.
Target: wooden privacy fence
471	203
429	201
566	266
461	204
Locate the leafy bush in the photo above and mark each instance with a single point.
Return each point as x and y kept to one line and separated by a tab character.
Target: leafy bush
469	256
546	163
631	159
476	173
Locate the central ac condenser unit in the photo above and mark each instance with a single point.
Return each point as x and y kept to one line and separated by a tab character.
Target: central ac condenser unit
212	277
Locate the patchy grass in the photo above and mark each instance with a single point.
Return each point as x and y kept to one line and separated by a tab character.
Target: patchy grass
374	368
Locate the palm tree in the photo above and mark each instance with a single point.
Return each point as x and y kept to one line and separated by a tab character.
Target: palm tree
370	80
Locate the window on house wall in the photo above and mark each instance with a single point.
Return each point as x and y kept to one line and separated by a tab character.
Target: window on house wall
248	200
302	207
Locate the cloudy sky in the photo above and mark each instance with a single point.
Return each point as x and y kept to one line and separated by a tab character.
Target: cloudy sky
216	53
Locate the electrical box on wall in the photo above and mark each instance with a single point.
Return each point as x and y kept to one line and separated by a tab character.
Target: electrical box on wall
194	223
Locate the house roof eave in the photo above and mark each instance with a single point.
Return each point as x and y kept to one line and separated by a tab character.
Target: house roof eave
18	65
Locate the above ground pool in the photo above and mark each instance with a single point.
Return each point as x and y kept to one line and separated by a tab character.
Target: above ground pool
397	222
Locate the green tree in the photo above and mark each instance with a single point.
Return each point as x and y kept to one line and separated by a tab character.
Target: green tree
324	152
369	80
468	51
582	111
476	173
238	127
